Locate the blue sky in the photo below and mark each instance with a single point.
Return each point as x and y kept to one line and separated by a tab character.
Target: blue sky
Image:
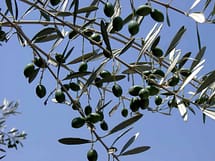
170	138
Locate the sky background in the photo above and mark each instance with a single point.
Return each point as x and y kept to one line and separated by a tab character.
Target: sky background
170	138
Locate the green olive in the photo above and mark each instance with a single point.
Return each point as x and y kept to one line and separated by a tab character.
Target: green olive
59	96
117	90
29	70
143	10
78	122
41	91
157	15
92	155
134	90
117	23
133	27
108	9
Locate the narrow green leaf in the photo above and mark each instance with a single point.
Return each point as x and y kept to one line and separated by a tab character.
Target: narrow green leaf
112	78
207	82
198	36
167	18
46	38
198	57
175	40
125	123
9	7
104	33
45	33
121	135
76	75
73	141
94	3
16	10
75	11
83	57
127	46
183	60
136	150
87	9
129	142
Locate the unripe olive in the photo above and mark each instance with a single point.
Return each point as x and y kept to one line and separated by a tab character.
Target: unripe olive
133	27
92	155
78	122
117	23
157	15
40	91
143	10
108	9
117	90
59	96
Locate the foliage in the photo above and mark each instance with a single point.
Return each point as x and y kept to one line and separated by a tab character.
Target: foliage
74	36
13	137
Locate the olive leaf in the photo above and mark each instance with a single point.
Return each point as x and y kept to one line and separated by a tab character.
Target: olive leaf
175	40
182	109
209	113
104	33
76	75
129	142
87	9
76	3
136	150
198	17
183	60
207	82
9	7
74	141
198	57
47	34
126	123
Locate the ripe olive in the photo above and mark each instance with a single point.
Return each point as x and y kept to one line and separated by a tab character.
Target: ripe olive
87	110
117	23
157	15
54	2
92	155
41	91
143	93
124	112
78	122
133	27
143	10
134	104
83	67
29	70
153	90
59	58
157	52
108	9
104	125
117	90
105	74
158	100
96	37
74	86
173	81
134	90
59	96
39	62
98	82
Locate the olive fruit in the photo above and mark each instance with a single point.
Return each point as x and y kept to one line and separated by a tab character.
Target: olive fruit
96	37
133	27
93	118
108	9
92	155
144	103
104	125
124	112
134	104
2	35
87	110
134	90
74	86
83	67
65	87
157	15
78	122
117	23
105	74
143	93
185	72
41	91
143	10
117	90
173	81
153	90
158	100
107	54
54	2
158	72
98	82
39	62
59	58
76	105
59	96
157	52
29	70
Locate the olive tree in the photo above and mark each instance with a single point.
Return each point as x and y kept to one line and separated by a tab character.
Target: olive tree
100	62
